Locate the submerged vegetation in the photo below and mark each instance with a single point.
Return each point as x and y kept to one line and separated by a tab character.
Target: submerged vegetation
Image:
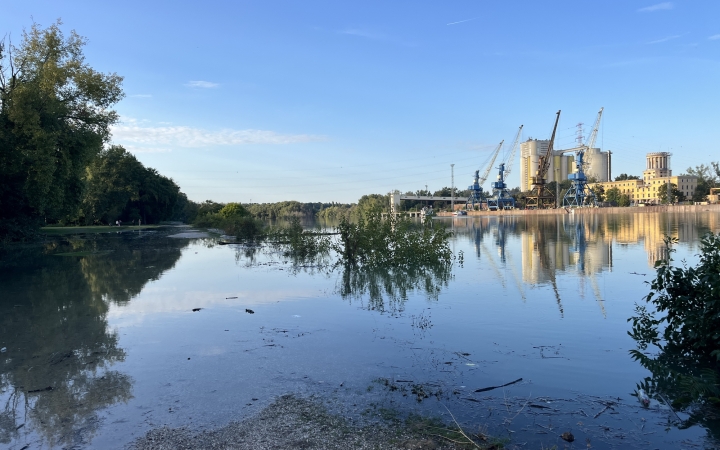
683	326
234	220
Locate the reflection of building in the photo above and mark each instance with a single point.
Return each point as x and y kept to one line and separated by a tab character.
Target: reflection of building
657	173
562	163
574	247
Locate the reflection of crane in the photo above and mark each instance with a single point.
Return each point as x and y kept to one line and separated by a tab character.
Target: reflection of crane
505	257
545	262
476	192
540	196
579	194
501	198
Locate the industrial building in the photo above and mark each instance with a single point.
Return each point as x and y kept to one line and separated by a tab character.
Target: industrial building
657	173
562	164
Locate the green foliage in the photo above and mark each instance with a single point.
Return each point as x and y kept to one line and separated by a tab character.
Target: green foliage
232	219
393	242
373	204
599	192
708	177
285	210
299	244
118	186
676	195
624	176
233	210
54	117
683	326
615	197
337	212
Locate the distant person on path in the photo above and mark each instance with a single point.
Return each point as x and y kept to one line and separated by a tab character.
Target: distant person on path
117	223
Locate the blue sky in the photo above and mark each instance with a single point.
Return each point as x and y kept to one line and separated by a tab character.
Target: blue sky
326	101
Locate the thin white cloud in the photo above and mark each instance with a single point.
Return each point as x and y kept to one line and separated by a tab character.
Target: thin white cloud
714	37
462	21
141	95
363	33
160	139
657	7
665	39
201	84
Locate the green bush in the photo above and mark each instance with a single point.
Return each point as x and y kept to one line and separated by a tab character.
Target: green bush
683	326
233	210
299	244
392	242
241	226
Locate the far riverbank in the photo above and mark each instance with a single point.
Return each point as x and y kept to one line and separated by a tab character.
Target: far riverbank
610	210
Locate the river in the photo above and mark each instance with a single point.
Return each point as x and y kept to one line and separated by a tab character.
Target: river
105	336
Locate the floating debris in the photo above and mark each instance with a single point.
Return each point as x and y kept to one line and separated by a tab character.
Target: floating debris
249	311
196	309
643	397
567	436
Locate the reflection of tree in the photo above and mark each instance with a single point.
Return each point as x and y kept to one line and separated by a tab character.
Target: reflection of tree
388	289
57	370
128	265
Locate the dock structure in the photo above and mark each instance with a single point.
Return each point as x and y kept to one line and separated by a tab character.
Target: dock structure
396	197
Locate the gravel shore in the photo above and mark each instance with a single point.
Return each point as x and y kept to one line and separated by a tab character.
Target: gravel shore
296	423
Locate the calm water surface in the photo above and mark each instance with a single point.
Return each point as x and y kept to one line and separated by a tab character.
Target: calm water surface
100	341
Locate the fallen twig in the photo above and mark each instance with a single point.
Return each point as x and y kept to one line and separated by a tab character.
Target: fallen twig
602	411
490	388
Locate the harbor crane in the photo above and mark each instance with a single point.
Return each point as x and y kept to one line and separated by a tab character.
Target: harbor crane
476	193
501	198
540	195
579	194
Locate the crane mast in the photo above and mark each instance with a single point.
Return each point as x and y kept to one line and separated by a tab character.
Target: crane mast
579	194
476	192
501	198
540	196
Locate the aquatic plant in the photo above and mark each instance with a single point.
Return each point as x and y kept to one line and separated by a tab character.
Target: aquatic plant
392	242
682	322
297	243
234	220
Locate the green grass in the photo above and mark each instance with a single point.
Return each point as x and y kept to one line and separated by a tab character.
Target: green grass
92	229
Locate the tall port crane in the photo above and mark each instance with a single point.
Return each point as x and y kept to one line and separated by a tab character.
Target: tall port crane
476	193
579	194
501	198
540	195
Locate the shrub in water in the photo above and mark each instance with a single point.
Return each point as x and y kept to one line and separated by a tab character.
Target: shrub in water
685	329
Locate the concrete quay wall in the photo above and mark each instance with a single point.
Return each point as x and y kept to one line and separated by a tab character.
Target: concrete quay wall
610	210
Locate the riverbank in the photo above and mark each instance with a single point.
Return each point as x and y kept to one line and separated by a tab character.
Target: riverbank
55	231
586	211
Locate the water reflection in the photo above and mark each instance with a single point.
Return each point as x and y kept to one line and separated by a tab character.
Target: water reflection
387	290
581	244
56	371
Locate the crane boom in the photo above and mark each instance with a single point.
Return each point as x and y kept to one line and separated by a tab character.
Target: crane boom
545	160
489	167
511	159
593	135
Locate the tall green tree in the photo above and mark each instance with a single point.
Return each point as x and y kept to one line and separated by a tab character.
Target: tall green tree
675	194
118	186
708	177
617	198
54	118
